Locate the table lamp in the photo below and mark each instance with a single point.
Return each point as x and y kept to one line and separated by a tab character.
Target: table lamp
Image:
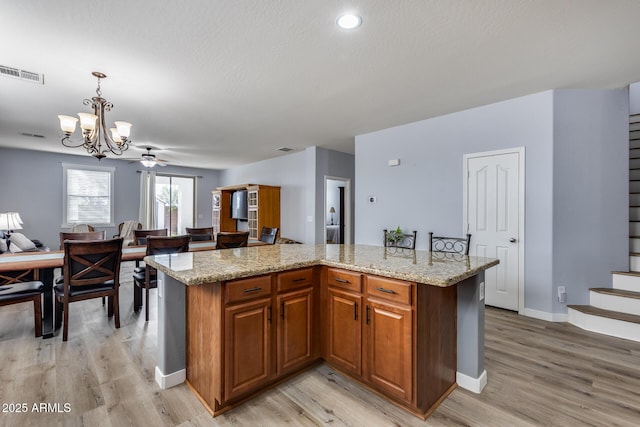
10	221
332	211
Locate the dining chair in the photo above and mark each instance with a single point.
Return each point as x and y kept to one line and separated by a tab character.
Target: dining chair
146	277
229	240
140	239
13	290
200	234
78	235
269	235
126	229
140	236
82	228
83	235
91	270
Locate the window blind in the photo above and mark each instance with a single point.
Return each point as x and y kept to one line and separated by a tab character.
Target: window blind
88	196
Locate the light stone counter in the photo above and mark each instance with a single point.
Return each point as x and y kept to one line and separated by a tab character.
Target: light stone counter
196	268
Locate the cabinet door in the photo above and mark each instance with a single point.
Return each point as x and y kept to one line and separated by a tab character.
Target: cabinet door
295	329
344	330
389	349
247	346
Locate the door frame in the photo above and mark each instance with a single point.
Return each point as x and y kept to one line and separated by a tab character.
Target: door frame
347	208
521	207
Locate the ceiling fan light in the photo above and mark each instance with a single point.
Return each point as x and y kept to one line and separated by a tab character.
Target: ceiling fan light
88	121
124	129
148	163
68	124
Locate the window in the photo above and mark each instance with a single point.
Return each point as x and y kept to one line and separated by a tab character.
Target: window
175	203
88	195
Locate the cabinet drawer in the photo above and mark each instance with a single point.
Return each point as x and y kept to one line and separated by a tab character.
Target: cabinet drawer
295	279
246	289
389	289
344	279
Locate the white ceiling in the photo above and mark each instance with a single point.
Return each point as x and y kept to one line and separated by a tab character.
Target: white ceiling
219	83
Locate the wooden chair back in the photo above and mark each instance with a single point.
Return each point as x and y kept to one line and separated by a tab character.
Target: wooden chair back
200	234
269	235
92	262
232	240
158	245
87	235
140	236
451	245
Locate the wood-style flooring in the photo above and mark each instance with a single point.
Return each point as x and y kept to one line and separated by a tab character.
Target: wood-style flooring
540	374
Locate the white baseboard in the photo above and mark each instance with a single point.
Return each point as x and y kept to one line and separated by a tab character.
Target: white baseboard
544	315
171	380
475	385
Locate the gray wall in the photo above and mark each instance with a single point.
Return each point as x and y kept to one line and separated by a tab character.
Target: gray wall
301	178
36	190
424	193
590	190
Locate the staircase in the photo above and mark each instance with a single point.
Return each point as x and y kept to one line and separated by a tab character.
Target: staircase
616	311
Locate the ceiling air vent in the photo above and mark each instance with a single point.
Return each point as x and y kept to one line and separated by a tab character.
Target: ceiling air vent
21	74
285	149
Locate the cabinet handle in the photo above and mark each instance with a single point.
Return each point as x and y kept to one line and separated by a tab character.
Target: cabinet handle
341	280
299	279
386	291
269	314
246	291
355	311
282	310
367	319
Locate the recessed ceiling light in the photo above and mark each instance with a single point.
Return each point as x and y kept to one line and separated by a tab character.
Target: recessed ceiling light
349	22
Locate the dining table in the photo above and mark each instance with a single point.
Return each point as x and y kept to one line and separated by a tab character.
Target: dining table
40	265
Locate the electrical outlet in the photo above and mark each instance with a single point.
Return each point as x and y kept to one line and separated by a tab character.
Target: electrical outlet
160	284
481	291
562	294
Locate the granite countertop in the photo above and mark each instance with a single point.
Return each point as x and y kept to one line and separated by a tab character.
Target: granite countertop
437	269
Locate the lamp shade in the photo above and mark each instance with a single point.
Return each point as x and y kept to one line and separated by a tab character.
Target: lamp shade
10	221
332	210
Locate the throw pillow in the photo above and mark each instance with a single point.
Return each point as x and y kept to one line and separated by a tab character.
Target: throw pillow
22	242
3	246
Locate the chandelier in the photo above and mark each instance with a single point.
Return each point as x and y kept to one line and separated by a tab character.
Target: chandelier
95	138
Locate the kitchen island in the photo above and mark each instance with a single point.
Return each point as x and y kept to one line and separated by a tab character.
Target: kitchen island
409	326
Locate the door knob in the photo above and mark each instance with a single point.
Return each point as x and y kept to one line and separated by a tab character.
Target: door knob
512	240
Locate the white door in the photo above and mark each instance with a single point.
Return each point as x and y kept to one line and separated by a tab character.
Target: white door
495	219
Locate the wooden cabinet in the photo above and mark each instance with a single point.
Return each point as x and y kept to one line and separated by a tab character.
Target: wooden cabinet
296	320
247	347
344	330
397	337
388	337
378	350
263	203
295	329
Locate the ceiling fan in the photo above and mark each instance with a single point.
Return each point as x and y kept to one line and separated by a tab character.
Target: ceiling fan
149	160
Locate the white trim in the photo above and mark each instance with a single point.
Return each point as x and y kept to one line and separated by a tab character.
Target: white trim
605	325
545	315
171	380
521	217
475	385
347	208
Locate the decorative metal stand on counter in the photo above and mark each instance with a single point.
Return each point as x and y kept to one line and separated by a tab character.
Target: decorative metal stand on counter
400	252
397	239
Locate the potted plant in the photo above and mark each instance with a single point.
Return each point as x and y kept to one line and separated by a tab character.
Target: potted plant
394	236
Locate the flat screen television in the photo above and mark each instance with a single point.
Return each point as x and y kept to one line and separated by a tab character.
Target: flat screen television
239	205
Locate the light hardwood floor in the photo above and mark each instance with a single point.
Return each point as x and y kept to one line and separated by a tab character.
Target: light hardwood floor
540	374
